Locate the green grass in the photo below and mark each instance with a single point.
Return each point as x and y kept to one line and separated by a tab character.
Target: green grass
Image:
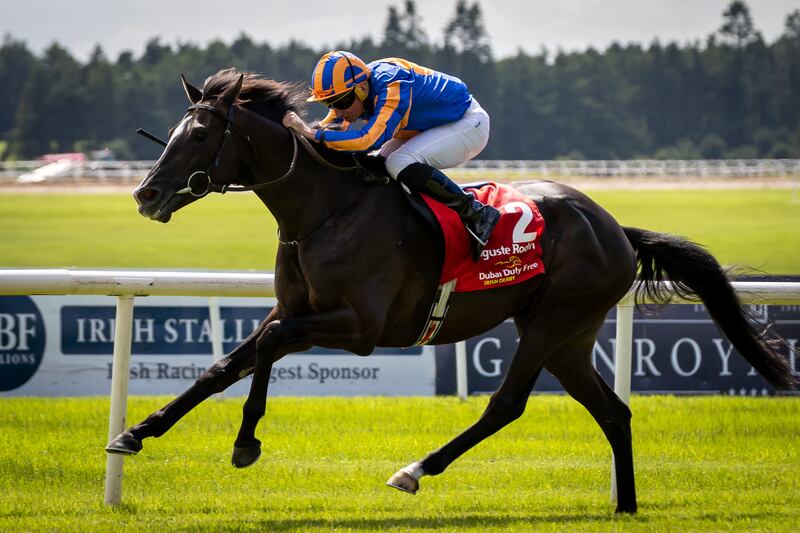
754	228
231	232
703	464
757	228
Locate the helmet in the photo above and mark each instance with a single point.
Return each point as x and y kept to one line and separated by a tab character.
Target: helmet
335	74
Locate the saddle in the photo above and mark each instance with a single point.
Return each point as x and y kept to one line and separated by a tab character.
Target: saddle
512	255
372	169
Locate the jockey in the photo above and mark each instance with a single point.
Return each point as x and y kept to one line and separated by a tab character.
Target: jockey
418	119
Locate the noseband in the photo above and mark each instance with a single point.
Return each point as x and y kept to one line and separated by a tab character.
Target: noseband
199	183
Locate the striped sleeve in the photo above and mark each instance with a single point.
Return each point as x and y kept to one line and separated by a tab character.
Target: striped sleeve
391	111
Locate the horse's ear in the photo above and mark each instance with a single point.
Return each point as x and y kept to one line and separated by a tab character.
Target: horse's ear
232	92
194	94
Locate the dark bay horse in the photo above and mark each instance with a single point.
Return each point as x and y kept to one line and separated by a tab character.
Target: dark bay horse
358	268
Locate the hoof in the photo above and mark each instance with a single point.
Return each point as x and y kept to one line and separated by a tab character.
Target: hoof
404	481
629	509
124	444
245	456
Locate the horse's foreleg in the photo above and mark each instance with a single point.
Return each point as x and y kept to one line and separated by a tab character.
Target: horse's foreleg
505	406
270	348
335	329
219	377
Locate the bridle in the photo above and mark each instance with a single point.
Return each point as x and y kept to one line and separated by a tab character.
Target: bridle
199	183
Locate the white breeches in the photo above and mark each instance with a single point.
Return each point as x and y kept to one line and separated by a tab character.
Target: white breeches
444	146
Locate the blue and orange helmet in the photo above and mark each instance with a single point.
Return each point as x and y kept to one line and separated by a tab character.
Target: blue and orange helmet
337	73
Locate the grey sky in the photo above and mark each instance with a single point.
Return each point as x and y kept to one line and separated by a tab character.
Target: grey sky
567	24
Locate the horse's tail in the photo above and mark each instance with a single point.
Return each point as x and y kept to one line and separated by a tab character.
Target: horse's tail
694	271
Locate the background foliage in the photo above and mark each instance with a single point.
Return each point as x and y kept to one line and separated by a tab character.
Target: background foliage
732	95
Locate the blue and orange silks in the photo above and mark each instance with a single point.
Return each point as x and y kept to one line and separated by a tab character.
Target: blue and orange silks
404	98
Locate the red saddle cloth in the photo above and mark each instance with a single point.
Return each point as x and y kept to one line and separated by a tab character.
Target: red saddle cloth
512	254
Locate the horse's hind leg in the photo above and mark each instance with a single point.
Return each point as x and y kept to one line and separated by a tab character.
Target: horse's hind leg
505	406
573	368
224	373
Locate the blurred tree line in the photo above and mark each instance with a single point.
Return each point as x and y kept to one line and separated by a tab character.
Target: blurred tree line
732	96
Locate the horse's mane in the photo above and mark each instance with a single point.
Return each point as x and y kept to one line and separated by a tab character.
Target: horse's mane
269	98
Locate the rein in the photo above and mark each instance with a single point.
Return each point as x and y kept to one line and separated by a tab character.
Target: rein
318	157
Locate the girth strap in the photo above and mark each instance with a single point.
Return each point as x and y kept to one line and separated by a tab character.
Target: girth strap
438	311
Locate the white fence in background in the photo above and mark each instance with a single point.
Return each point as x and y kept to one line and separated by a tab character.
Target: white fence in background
134	171
70	171
127	285
642	167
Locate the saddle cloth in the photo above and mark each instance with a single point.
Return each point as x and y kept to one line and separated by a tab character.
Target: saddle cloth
513	253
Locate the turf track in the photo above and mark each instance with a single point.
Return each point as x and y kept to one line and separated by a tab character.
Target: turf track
755	227
703	464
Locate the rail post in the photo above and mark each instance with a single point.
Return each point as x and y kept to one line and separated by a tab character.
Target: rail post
119	394
461	370
622	368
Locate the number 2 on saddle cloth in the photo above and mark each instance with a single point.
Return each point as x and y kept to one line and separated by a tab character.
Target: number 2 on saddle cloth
511	256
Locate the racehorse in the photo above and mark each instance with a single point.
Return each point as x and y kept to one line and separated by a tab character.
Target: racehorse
358	268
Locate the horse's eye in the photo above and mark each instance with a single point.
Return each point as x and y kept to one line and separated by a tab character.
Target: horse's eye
200	134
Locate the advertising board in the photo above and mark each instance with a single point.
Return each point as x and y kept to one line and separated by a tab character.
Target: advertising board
63	346
677	350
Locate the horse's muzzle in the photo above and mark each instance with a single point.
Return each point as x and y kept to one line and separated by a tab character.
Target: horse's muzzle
151	203
146	196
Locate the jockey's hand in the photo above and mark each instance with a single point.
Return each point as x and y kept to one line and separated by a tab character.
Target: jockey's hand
337	125
292	121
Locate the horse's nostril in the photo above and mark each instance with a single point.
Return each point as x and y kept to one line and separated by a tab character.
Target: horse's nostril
148	195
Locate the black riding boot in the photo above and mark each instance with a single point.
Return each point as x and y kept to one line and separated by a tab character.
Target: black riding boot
478	218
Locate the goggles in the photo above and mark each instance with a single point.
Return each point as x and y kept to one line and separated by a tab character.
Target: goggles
341	102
